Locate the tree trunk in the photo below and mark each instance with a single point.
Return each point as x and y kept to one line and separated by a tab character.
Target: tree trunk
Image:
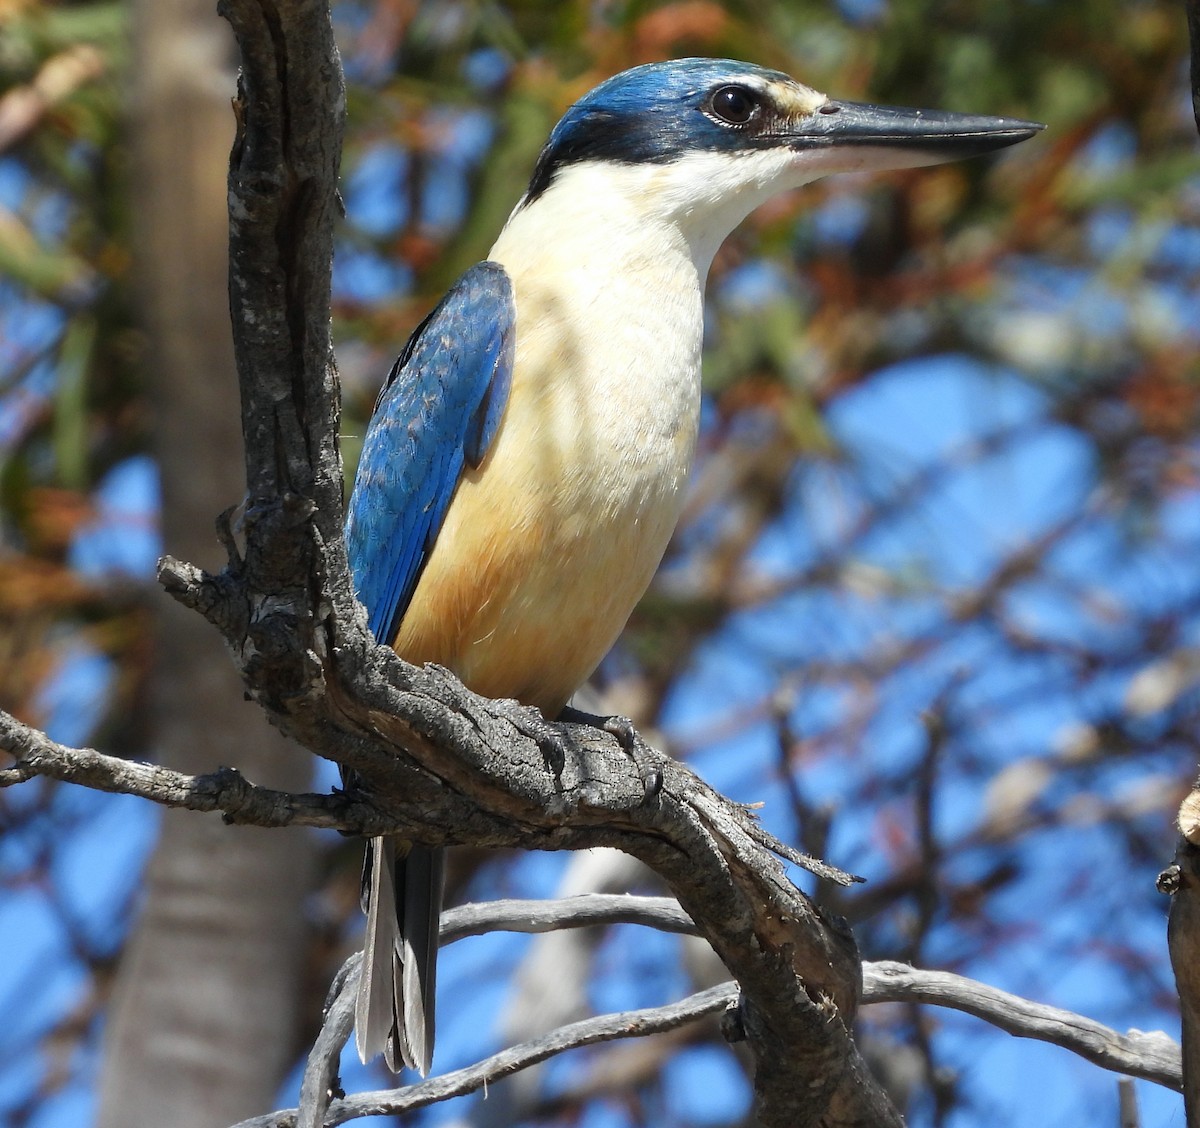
216	957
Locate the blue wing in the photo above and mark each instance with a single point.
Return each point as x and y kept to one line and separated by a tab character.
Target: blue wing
438	412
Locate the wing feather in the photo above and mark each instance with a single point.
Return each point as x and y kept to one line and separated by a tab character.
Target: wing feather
438	412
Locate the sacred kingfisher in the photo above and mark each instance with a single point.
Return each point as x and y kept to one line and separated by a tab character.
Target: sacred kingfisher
526	461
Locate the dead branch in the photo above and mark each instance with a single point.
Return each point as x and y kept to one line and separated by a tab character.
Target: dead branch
225	790
1152	1056
589	1032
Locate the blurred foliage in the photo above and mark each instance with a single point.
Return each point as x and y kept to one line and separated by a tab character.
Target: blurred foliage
934	598
70	393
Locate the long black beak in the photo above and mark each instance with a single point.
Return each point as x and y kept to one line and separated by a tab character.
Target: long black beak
929	136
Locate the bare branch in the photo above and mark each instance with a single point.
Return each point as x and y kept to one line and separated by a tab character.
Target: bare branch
589	1032
225	790
1152	1056
317	1088
587	909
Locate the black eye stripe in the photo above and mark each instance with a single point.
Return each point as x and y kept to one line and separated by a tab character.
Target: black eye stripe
734	105
737	115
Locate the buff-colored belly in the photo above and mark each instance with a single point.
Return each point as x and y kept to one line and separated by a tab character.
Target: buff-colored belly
550	543
527	588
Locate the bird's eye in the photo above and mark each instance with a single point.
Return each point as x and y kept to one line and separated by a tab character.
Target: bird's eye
734	105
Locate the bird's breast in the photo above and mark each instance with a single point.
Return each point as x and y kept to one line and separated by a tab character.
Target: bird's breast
550	543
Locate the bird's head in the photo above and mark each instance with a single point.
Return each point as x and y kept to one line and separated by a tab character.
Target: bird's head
707	140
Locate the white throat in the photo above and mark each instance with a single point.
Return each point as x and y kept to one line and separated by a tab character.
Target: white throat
693	202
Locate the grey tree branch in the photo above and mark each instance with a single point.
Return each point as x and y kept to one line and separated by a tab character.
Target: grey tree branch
530	916
319	1084
225	790
589	1032
1150	1056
